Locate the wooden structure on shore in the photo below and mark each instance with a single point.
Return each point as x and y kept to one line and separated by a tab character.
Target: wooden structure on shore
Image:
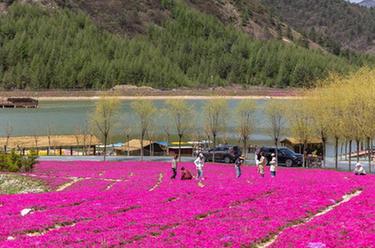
133	148
314	144
361	154
15	102
65	144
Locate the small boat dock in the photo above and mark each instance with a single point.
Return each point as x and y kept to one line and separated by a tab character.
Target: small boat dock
18	102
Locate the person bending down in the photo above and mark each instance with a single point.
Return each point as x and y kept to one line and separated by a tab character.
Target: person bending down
186	174
359	170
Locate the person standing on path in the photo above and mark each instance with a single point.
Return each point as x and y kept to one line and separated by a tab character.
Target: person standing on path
273	165
237	164
262	164
199	163
174	166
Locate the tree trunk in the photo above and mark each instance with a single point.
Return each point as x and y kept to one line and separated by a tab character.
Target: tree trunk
369	149
305	154
167	144
245	146
350	155
324	151
358	149
179	146
336	152
346	150
142	147
105	146
128	138
342	150
277	149
214	144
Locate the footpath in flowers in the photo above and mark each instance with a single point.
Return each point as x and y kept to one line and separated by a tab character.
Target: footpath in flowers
136	204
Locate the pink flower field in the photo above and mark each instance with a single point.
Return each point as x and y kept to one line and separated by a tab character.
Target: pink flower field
136	204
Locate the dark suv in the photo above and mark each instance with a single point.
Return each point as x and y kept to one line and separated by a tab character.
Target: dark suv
286	156
224	153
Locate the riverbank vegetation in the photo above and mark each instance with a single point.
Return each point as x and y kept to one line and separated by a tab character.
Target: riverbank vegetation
15	162
60	49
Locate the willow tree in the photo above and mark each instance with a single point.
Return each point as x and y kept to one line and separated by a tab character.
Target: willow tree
144	110
362	86
275	120
319	113
301	124
245	112
182	116
105	118
333	101
215	112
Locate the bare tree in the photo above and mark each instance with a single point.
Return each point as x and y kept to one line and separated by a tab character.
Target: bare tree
144	110
49	133
36	142
216	111
8	132
105	118
182	116
275	114
246	121
301	125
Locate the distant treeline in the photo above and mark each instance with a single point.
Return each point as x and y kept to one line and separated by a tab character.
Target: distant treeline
46	49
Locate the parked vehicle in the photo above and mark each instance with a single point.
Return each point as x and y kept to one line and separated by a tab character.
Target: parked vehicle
224	153
286	157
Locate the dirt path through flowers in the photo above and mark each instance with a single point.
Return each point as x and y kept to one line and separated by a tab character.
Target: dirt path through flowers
344	199
68	184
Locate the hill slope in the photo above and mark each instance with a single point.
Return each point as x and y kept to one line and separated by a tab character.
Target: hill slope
335	24
165	44
368	3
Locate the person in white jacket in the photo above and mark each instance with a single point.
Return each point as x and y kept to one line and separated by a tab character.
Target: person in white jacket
359	170
199	163
273	165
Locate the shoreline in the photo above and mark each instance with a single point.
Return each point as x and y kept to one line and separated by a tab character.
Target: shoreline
95	98
155	94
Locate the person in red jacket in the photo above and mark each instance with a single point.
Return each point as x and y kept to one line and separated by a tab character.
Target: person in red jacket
186	174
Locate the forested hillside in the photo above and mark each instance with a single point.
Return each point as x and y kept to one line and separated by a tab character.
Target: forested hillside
61	47
335	24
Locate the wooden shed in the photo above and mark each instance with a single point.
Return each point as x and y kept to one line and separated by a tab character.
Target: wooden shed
313	144
133	148
59	142
18	102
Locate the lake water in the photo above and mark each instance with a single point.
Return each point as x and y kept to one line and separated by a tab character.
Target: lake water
66	117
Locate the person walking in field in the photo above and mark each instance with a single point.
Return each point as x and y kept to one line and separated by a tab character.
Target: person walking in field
199	164
174	167
273	165
262	164
237	164
257	156
186	174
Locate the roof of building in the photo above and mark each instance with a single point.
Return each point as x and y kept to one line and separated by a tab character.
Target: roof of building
49	141
134	145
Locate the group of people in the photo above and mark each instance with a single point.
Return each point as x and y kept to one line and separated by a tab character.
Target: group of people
261	162
185	173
